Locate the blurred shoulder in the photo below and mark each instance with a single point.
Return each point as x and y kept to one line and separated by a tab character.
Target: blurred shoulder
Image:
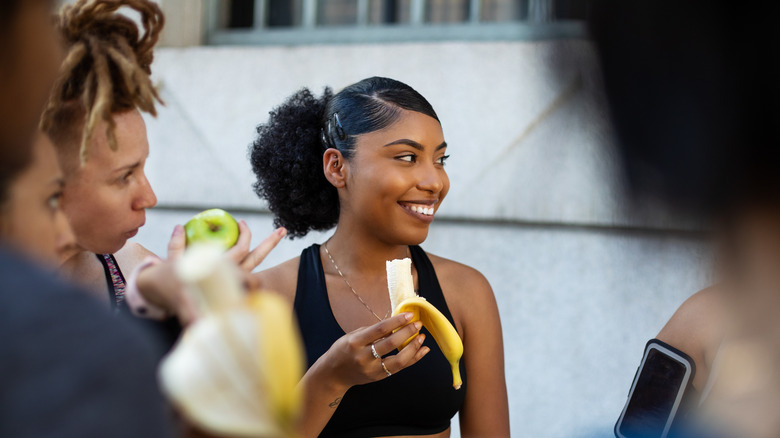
696	327
700	311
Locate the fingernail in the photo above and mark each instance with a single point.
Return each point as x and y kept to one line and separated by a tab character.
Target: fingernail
425	350
281	231
420	339
418	325
408	316
177	229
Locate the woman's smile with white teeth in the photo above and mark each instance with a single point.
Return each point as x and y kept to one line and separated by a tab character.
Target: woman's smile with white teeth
422	209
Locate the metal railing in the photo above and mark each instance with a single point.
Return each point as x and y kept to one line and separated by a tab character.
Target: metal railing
539	23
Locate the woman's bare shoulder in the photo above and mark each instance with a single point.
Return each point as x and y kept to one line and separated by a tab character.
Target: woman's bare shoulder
131	255
467	292
282	278
696	326
702	310
450	272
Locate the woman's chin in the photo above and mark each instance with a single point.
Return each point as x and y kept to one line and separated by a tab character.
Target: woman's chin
417	237
105	247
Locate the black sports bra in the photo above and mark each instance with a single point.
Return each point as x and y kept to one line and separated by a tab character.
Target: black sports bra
418	400
115	280
164	333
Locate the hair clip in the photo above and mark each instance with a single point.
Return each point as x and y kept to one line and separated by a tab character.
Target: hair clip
339	129
324	138
327	136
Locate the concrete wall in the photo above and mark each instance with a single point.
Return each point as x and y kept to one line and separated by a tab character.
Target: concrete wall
535	202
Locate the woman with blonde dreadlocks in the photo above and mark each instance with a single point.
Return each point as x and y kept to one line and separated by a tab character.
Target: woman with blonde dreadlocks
94	119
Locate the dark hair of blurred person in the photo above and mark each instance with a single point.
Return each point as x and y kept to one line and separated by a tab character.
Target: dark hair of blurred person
694	97
29	58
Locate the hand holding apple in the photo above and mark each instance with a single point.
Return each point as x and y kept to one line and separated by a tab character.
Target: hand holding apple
160	286
214	225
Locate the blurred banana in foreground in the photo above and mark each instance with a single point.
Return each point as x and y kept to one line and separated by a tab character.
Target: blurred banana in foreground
403	299
235	371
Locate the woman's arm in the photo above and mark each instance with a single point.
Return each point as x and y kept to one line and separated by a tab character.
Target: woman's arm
696	328
485	412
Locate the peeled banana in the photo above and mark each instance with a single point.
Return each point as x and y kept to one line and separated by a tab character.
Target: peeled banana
235	371
403	299
213	282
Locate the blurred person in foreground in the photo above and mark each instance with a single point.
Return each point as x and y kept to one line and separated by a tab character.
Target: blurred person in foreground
695	100
66	368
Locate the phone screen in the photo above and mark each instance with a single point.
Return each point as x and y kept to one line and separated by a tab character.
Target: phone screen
653	398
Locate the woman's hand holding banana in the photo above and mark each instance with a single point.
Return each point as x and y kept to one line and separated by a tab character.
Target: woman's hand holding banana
359	356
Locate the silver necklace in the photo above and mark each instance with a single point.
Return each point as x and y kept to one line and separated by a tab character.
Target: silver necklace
350	286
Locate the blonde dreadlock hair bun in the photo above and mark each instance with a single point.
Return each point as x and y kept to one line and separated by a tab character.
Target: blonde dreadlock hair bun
106	70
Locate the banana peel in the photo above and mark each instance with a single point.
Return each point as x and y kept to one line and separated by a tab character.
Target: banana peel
404	299
235	371
280	344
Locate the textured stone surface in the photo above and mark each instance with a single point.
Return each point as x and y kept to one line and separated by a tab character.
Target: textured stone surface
529	137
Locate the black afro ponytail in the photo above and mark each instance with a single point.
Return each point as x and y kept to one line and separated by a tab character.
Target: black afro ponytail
286	158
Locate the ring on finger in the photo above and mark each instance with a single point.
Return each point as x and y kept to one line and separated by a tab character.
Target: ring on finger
385	368
373	351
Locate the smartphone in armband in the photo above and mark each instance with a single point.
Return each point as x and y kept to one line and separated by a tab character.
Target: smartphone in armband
657	399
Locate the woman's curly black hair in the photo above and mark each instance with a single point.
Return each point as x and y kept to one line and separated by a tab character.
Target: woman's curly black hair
287	154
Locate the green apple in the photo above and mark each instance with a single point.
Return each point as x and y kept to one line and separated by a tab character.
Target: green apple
215	226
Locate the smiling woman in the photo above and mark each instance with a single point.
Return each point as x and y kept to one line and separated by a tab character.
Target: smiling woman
369	160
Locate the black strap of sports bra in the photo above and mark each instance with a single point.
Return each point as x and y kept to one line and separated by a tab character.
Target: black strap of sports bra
109	281
116	305
428	282
312	308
